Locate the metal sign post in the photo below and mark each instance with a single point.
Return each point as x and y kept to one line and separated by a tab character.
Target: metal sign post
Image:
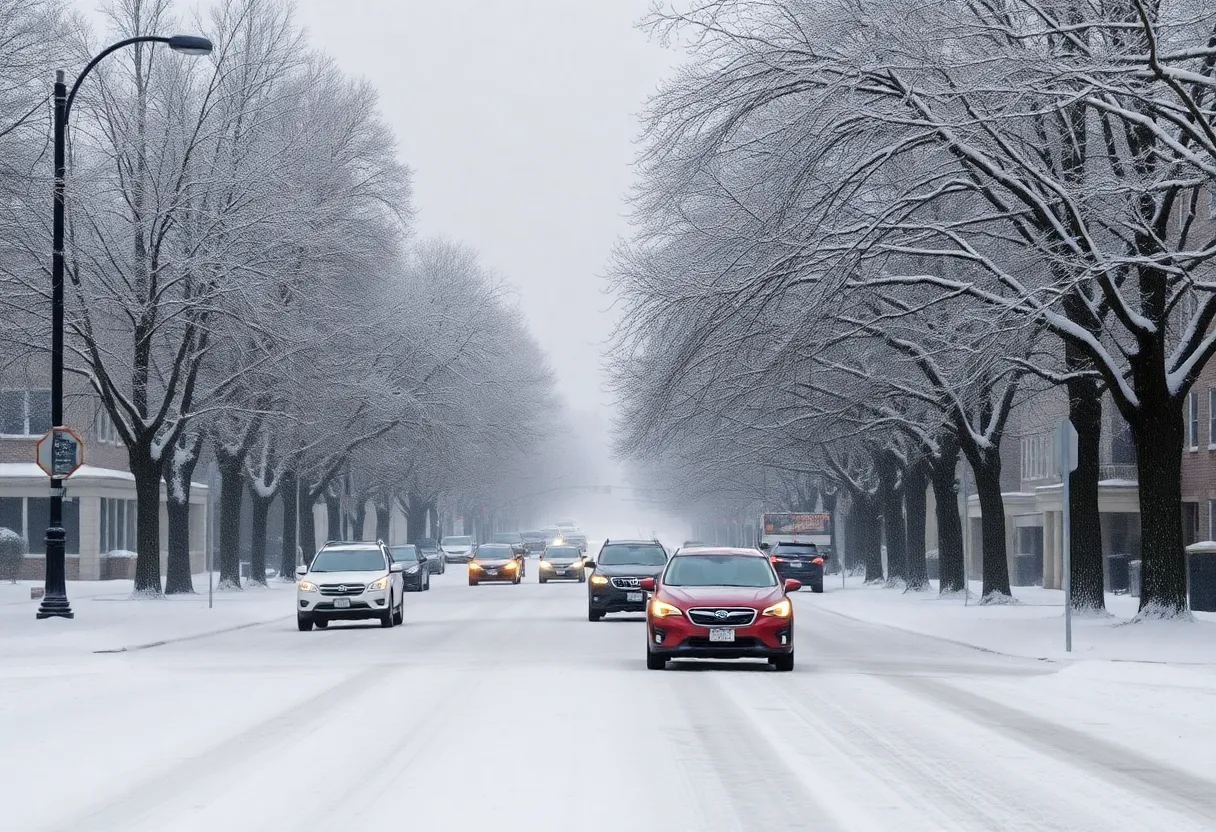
966	537
1066	460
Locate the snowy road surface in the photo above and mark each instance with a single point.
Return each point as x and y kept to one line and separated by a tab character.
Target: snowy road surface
503	708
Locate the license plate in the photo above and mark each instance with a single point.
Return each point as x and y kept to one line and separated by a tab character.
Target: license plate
633	596
491	571
341	603
560	571
722	635
795	564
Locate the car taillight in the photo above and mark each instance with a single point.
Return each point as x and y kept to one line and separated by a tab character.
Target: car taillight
774	559
818	561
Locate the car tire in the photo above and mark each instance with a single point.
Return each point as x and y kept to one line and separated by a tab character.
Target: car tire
427	587
399	613
817	587
582	577
542	579
472	582
387	617
594	615
320	623
783	663
654	661
303	622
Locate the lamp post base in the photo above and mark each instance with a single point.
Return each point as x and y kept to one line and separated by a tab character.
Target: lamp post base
55	607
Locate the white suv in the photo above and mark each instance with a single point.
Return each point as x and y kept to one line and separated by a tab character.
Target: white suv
350	581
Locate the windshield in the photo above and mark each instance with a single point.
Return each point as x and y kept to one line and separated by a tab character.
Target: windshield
457	541
506	538
490	552
427	543
533	536
806	550
403	553
719	570
349	560
561	552
644	554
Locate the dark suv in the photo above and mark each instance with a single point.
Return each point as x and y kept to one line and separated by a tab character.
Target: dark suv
618	569
801	561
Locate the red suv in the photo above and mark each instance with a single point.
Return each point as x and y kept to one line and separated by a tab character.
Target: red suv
716	603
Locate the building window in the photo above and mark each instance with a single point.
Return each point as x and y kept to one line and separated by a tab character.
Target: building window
30	516
1211	519
1190	523
1192	421
1212	417
104	428
25	412
117	525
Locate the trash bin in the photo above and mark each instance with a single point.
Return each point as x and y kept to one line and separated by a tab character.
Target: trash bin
1117	570
1133	578
1026	570
1201	569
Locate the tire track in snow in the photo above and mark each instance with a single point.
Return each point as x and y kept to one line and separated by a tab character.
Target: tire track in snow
751	765
1119	765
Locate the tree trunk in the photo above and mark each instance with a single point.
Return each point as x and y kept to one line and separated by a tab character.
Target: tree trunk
1084	520
829	505
1159	432
992	526
384	519
147	521
869	536
232	498
848	552
359	518
259	507
308	524
415	519
949	526
433	521
890	468
177	471
333	514
289	554
916	508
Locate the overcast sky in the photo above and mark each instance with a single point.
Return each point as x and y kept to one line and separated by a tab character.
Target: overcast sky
519	119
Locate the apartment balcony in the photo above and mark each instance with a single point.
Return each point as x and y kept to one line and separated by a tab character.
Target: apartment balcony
1126	472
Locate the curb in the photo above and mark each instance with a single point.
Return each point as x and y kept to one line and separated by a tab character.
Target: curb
149	645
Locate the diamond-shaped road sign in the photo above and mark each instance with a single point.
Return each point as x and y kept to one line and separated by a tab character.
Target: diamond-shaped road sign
59	453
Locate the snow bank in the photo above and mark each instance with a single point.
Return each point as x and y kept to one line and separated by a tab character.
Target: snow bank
1033	628
109	618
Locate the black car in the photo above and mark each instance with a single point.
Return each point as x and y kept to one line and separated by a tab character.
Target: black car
495	562
613	584
562	563
416	574
800	561
435	561
534	542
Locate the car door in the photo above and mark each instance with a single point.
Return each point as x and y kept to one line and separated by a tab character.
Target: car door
396	579
424	570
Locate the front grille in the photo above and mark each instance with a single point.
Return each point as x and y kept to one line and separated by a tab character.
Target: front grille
701	643
722	616
626	583
329	605
340	590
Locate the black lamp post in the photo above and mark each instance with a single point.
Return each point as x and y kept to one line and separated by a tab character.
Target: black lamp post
55	597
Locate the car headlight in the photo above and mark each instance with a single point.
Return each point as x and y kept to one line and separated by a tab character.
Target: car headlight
781	609
598	580
375	586
544	564
474	565
662	609
307	586
511	565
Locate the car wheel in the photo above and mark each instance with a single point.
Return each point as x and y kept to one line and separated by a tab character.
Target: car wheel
594	615
582	577
399	613
427	588
304	622
542	579
817	587
472	582
321	623
387	617
654	661
783	663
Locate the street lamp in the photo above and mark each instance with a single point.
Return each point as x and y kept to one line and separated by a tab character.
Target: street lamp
55	596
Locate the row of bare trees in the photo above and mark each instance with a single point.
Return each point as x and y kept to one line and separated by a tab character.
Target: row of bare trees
244	285
867	231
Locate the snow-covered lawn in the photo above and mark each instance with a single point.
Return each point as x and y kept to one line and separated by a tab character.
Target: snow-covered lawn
1034	628
108	618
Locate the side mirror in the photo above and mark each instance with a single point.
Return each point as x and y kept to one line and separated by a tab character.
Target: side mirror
792	585
764	547
396	566
646	584
301	571
589	563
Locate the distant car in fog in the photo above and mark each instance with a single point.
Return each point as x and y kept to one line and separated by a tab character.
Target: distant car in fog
576	539
456	548
534	542
436	563
496	562
562	563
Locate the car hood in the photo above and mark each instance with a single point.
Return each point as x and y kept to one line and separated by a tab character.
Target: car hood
632	570
493	561
723	596
343	577
458	550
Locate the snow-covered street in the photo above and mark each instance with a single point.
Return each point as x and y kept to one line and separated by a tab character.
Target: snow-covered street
503	707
